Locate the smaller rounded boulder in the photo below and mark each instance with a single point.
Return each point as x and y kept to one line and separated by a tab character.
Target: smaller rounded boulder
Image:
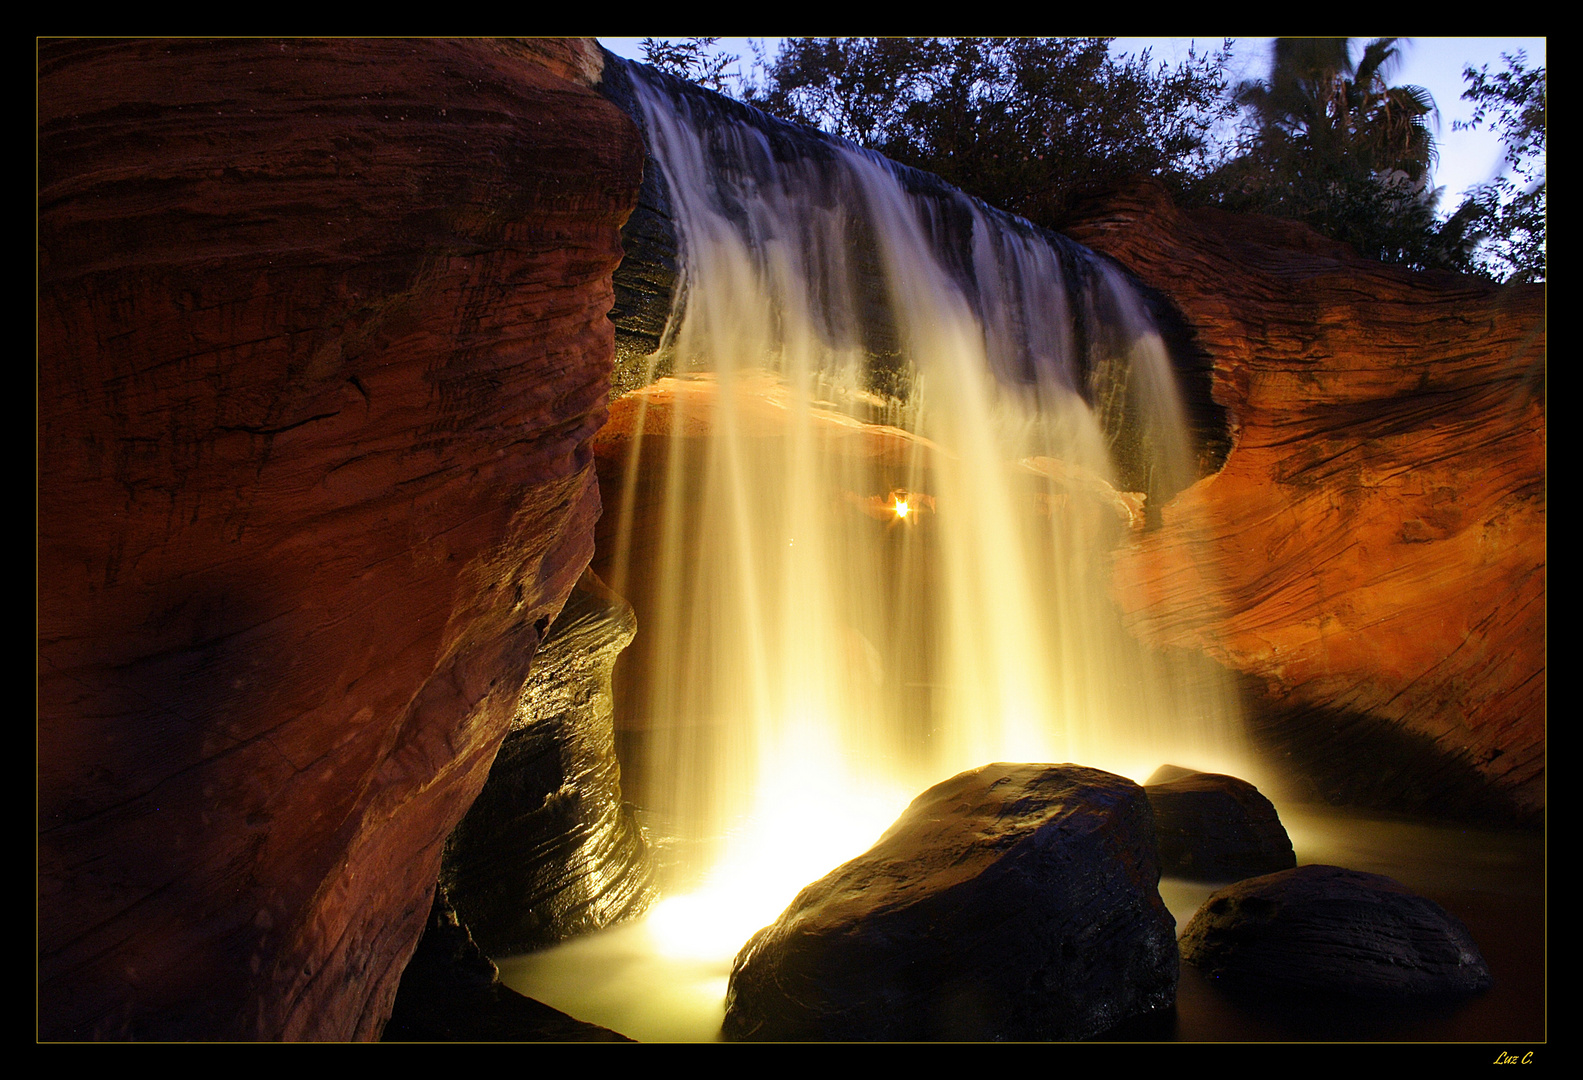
1325	929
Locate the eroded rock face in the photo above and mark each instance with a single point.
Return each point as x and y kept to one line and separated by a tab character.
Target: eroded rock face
1009	902
1212	827
1326	930
548	850
1374	546
322	341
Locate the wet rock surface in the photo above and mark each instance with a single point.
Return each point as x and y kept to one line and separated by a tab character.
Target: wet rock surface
1326	930
651	286
1009	902
548	850
1213	827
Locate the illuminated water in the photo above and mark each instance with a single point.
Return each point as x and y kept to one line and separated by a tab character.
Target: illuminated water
866	522
888	499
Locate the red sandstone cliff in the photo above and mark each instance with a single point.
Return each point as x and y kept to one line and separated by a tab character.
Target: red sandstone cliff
321	348
322	342
1375	543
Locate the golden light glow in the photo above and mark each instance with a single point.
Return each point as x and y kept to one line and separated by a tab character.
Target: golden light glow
813	625
809	818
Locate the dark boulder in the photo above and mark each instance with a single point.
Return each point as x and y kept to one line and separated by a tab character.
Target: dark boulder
1213	827
1009	902
1166	773
451	992
1322	929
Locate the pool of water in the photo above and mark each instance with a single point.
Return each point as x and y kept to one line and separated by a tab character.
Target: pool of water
638	980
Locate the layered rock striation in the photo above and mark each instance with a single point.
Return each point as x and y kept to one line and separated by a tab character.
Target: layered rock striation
1372	554
322	344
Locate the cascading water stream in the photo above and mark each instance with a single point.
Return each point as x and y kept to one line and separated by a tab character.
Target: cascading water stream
866	523
888	457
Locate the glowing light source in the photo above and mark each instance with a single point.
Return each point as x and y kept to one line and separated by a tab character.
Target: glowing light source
902	509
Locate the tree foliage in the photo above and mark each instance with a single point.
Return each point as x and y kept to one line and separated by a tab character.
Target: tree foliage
1027	124
693	59
1320	110
1505	219
1035	124
1334	144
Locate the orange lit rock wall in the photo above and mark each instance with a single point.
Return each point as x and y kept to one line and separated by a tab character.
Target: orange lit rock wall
1375	543
322	344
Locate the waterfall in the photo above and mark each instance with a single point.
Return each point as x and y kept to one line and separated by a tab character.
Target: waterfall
889	441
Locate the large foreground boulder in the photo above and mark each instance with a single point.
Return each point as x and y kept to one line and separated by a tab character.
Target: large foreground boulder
1323	929
1213	827
1009	902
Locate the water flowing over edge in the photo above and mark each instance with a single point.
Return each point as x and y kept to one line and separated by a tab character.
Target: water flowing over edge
867	518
